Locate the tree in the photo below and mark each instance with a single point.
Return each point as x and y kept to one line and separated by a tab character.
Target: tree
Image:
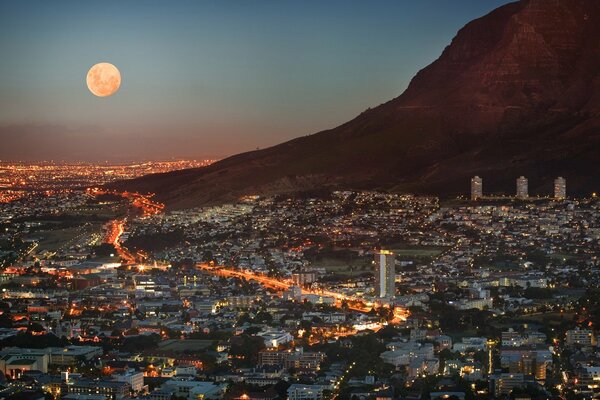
281	388
141	342
253	330
246	348
104	250
387	332
6	320
27	340
306	325
263	317
35	327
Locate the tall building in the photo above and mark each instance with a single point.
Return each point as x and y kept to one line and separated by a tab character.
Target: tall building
476	188
304	278
385	274
522	188
560	188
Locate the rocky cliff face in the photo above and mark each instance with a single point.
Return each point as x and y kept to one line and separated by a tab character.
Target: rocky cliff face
517	92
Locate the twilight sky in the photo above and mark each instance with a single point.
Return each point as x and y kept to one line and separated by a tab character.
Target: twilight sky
206	78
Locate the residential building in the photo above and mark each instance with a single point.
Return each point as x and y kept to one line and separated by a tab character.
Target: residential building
560	188
305	392
112	389
580	337
476	188
134	378
522	188
385	274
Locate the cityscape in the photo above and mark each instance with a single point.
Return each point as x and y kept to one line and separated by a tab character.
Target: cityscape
284	200
20	179
340	294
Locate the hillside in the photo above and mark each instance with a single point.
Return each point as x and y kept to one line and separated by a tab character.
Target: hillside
517	92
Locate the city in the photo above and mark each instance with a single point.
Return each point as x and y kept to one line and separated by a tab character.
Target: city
18	179
300	200
314	295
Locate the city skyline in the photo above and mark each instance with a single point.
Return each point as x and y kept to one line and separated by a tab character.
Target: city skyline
559	189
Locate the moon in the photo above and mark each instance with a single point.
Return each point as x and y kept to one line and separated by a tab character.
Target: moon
103	79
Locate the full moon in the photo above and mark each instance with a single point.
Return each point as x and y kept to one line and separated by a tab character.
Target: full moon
103	79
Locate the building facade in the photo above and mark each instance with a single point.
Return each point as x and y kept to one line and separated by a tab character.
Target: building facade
522	188
305	392
476	188
385	274
580	337
560	188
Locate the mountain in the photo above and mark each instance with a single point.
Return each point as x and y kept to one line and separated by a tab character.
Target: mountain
517	92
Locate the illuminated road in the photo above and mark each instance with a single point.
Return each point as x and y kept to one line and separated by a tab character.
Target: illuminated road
114	237
353	303
150	207
117	226
141	201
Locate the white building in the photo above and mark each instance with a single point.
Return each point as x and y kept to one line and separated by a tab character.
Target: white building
476	188
318	299
560	188
468	304
305	392
404	353
186	370
470	344
385	274
133	378
190	390
522	188
276	338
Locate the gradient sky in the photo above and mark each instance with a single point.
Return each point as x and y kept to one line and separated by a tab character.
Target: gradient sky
206	78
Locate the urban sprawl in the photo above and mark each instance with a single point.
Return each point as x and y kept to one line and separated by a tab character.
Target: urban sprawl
328	295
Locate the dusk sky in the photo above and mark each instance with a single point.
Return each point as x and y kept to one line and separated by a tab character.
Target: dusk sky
206	78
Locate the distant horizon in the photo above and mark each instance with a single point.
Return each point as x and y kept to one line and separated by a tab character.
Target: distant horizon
202	79
107	162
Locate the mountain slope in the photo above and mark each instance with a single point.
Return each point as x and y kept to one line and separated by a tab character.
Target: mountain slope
517	92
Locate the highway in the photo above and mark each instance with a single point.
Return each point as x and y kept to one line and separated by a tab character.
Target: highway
114	237
117	226
353	303
138	200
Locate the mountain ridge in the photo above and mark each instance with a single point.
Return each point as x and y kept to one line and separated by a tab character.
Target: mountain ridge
516	92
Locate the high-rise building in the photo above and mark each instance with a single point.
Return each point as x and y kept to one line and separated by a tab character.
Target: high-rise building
303	278
522	188
385	274
476	188
560	188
